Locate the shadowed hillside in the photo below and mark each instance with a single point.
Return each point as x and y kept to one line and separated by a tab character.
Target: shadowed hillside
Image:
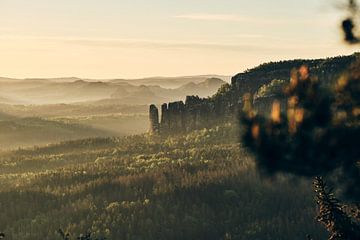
26	132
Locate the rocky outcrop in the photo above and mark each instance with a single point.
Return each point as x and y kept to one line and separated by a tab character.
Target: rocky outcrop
194	113
172	117
198	113
154	119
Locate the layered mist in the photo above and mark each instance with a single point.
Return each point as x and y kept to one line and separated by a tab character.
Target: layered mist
42	111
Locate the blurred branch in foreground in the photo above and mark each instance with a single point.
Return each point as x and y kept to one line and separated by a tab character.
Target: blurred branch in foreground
316	134
350	22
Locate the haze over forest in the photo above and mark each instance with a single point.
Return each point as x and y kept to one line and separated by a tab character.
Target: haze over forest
43	111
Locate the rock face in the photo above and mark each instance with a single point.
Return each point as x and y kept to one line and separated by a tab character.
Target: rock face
197	113
180	116
172	117
154	119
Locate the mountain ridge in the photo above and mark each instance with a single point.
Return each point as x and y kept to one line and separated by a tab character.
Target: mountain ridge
43	91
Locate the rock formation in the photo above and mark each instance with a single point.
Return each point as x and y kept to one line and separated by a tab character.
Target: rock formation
197	113
176	117
154	119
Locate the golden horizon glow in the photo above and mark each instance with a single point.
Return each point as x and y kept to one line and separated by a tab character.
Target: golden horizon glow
135	39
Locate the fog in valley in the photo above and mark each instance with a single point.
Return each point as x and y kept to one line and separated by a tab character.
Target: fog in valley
42	111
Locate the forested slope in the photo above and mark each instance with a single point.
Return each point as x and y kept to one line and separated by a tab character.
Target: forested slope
201	185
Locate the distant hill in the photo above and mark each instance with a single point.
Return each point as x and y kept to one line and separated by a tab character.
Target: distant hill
97	108
25	132
203	89
74	90
156	94
139	95
171	82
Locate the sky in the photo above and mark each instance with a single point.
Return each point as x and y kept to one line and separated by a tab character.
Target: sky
141	38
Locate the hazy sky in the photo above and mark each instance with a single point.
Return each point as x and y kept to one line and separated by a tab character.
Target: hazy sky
138	38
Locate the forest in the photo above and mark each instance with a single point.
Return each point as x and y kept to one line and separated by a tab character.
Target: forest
201	185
